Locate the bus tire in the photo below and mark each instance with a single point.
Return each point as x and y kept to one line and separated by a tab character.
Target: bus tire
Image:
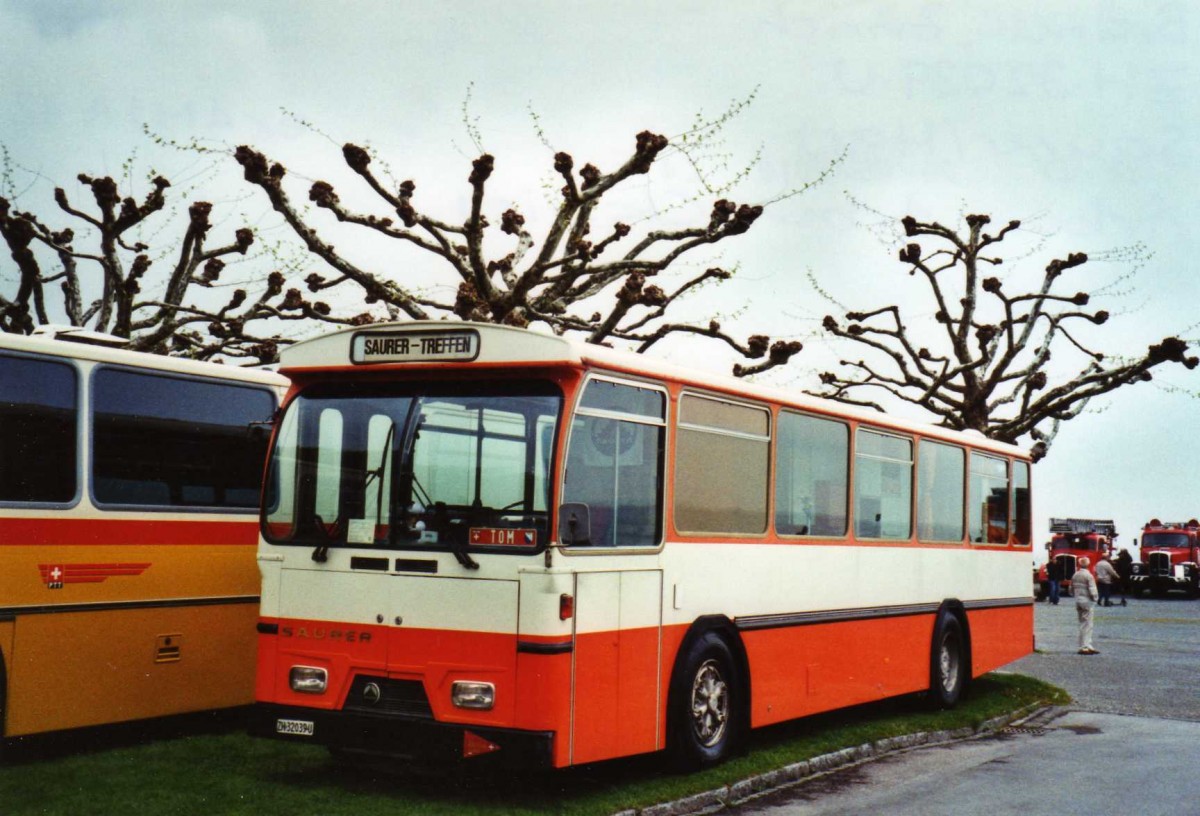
948	668
705	718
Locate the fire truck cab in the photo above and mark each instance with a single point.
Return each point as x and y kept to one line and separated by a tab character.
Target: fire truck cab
1170	559
1071	540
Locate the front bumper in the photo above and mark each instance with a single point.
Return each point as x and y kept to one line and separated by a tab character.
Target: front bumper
402	737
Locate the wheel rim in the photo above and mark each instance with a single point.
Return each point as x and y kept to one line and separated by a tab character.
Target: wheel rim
710	704
948	660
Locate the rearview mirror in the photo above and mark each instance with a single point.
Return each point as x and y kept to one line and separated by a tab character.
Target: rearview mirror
574	524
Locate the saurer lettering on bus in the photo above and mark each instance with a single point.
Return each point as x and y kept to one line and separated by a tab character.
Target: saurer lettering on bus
321	633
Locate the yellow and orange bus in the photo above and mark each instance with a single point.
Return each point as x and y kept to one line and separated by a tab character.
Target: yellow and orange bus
129	490
488	539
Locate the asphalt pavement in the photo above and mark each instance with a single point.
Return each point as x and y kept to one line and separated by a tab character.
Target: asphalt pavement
1149	661
1128	744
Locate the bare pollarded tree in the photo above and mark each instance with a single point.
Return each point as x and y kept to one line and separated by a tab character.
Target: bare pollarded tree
578	276
988	370
78	265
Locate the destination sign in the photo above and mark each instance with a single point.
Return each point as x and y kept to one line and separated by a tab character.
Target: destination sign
415	347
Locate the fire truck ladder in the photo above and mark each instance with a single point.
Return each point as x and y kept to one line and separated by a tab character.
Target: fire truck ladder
1104	527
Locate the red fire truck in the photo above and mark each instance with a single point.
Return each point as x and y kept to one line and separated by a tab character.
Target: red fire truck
1071	540
1170	559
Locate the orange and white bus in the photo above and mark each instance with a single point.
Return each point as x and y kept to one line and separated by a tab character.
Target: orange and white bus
484	538
129	489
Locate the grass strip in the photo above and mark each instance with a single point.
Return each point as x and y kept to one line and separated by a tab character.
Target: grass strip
231	773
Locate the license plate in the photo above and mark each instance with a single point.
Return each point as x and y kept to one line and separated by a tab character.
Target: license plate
301	728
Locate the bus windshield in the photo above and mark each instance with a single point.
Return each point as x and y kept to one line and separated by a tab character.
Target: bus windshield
1152	540
438	466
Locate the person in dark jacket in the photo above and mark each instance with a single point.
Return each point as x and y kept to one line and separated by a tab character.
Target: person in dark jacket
1053	577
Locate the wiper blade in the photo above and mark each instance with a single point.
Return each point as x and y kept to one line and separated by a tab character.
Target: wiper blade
462	556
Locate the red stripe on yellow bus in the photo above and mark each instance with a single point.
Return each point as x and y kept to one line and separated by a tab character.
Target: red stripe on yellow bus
43	532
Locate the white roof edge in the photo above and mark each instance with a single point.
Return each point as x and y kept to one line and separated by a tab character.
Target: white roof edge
318	352
51	347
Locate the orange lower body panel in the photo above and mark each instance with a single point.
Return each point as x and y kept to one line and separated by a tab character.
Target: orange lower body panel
608	695
804	670
999	636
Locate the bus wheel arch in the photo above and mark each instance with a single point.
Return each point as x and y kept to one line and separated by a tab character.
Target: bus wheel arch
710	671
950	656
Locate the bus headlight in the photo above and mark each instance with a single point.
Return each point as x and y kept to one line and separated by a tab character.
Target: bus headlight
470	694
308	679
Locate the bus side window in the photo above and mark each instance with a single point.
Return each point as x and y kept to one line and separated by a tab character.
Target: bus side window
722	465
883	482
987	502
1022	533
162	441
614	464
812	476
941	478
38	420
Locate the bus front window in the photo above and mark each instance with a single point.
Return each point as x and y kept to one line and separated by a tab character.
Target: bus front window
446	467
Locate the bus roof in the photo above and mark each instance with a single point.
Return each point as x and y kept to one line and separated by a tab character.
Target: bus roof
426	344
51	346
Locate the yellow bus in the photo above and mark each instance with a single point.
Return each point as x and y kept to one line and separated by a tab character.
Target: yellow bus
129	488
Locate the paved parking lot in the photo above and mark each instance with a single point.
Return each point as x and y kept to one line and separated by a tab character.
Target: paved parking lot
1148	664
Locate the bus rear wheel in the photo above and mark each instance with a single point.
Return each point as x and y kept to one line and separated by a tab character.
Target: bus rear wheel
948	664
706	704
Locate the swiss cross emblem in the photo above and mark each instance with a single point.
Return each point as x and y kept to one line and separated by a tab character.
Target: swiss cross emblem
54	577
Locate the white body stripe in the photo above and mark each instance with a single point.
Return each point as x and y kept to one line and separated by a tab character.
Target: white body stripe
738	579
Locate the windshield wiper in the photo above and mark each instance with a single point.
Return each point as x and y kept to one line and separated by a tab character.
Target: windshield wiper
458	545
377	473
321	553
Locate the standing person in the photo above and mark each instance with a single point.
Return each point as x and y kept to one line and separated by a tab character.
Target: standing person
1106	576
1054	577
1125	570
1083	586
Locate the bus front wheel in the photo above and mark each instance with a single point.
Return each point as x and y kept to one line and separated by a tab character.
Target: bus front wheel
948	664
705	705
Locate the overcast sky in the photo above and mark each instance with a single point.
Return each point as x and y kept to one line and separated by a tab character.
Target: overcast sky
1079	118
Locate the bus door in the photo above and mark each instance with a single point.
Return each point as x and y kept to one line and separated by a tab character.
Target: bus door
615	683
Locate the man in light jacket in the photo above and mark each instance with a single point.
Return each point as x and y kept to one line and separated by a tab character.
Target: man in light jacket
1083	587
1106	579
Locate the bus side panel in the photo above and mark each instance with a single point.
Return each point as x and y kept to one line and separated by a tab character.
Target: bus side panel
672	641
541	703
73	669
265	671
6	638
993	636
802	670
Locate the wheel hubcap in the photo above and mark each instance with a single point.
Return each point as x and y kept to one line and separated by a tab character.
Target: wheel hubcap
710	704
948	659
